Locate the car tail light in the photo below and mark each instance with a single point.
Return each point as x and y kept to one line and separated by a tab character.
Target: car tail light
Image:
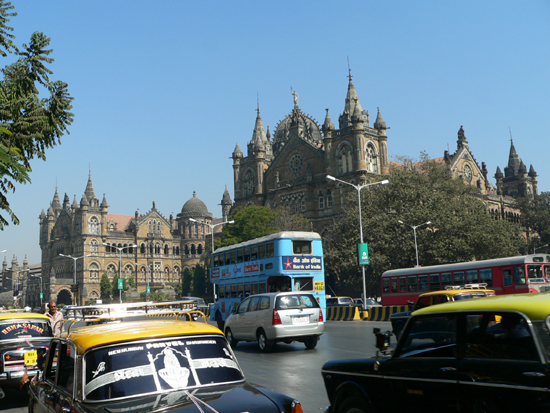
321	319
276	318
297	407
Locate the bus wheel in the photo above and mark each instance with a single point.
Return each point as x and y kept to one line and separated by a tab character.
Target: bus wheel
264	344
219	320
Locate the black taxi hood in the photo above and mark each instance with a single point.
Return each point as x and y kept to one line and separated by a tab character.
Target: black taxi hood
230	398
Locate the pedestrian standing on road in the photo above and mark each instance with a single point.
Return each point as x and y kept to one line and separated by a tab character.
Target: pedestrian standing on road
55	318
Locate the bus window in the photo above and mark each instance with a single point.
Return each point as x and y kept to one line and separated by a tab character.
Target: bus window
240	291
227	259
486	276
547	271
216	261
233	257
422	283
221	292
507	278
239	255
279	283
458	278
301	247
246	289
228	291
270	250
247	254
303	284
386	285
262	289
534	273
519	275
446	279
254	253
394	284
434	282
471	276
234	291
254	288
261	251
411	281
402	284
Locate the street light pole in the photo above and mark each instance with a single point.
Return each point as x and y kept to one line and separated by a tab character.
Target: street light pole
212	226
41	293
120	264
17	283
414	229
358	188
74	273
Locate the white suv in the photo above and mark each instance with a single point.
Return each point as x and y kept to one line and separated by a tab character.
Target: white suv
274	317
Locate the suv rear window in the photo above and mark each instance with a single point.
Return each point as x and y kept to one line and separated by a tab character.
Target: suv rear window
24	329
287	302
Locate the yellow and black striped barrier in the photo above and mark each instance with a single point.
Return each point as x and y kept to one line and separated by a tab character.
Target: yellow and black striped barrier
384	313
339	313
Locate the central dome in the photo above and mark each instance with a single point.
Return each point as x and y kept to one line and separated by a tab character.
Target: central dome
195	207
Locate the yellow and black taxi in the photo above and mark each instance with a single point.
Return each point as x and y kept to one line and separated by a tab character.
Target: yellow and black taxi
147	365
24	339
485	355
451	293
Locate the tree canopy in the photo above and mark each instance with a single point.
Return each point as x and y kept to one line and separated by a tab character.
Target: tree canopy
29	123
258	221
461	228
535	216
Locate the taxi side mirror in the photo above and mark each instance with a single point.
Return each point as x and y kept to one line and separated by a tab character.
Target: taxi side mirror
234	310
382	339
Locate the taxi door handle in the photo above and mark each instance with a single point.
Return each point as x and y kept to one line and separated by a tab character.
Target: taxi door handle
447	369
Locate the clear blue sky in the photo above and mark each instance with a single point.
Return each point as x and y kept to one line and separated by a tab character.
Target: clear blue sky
165	89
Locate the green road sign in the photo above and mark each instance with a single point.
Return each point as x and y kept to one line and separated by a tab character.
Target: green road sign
363	254
120	284
41	295
148	290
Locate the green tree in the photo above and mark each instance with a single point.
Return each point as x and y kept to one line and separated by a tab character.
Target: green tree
105	287
177	288
186	283
199	281
29	122
461	229
535	216
156	296
115	284
132	281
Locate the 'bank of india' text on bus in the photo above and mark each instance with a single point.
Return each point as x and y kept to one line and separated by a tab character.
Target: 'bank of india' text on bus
286	261
512	275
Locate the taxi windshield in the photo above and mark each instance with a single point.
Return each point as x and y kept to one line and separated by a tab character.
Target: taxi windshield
147	367
12	329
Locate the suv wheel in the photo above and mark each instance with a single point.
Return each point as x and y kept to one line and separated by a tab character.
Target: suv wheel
311	342
264	344
229	336
354	404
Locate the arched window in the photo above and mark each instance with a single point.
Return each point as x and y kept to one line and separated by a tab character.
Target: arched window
329	198
199	249
166	275
193	249
94	272
321	200
128	270
94	225
151	249
248	182
371	158
166	249
158	227
186	249
177	273
344	158
111	271
142	275
94	247
111	227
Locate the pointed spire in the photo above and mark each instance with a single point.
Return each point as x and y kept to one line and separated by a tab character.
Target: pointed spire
532	172
498	173
43	214
237	153
84	201
259	137
75	204
56	203
352	98
226	199
379	123
66	202
104	203
328	125
90	194
513	161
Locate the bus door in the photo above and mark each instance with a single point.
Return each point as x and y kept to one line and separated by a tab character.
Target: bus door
506	281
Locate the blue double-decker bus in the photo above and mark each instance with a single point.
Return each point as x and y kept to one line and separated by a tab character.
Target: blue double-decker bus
285	261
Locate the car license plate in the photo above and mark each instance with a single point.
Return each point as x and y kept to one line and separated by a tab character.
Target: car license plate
31	358
300	320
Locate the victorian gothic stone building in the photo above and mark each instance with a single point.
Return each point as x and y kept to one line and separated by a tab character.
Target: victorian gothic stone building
155	250
290	167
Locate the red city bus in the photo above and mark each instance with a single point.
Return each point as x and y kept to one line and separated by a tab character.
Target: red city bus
512	275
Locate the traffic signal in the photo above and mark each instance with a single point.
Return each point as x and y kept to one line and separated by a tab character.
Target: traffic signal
15	293
74	288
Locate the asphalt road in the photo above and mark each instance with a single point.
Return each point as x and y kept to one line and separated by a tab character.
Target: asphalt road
288	369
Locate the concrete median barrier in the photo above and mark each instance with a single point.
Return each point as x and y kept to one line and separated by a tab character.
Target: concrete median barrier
337	313
384	313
